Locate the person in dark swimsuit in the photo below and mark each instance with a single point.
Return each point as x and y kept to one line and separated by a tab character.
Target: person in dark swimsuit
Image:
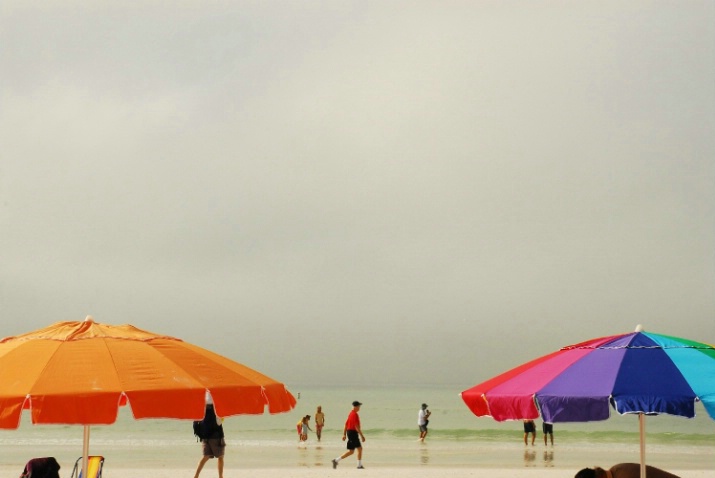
548	431
529	427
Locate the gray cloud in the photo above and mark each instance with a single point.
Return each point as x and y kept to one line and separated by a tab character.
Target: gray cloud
438	191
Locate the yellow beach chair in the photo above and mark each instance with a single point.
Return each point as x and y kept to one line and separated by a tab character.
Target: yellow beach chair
94	467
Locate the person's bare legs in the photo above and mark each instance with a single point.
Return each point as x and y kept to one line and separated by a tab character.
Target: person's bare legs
202	462
350	452
220	467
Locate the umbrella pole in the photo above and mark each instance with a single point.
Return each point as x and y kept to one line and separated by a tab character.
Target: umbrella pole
85	451
641	426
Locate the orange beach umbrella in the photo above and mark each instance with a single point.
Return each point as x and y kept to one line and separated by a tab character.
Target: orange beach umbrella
81	372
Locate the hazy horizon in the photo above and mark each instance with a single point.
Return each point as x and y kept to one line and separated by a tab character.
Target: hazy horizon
353	193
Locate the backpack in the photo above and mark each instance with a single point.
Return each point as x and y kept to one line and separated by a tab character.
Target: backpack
199	431
205	429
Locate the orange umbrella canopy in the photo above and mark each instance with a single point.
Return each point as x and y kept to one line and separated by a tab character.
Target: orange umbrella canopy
81	372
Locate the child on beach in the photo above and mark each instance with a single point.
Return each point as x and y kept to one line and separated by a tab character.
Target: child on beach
303	426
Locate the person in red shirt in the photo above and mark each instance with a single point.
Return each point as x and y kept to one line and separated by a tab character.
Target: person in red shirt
353	433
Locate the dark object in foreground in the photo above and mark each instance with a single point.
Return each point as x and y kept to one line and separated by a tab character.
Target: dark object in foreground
46	467
624	470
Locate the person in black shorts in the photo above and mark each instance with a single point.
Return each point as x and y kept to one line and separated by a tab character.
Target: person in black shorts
529	427
548	429
214	445
353	433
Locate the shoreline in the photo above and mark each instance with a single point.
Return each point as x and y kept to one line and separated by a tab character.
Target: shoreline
440	458
327	471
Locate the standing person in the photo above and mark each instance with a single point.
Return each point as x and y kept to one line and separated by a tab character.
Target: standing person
353	433
319	421
548	430
214	445
529	427
423	421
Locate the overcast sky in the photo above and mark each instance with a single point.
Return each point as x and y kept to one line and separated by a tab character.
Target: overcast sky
360	193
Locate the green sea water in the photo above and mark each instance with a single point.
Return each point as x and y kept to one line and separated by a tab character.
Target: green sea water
389	419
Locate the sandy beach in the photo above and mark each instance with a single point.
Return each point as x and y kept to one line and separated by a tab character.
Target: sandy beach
349	470
459	445
386	472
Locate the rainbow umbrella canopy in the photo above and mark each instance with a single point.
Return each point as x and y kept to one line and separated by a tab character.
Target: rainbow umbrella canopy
636	373
81	372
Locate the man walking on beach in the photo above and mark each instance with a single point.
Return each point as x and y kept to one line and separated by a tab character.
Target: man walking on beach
423	420
353	433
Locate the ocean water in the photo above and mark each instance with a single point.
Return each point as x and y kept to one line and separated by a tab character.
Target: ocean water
389	419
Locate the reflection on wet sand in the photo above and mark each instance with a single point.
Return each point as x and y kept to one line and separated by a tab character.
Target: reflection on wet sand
424	456
308	456
319	456
302	456
529	457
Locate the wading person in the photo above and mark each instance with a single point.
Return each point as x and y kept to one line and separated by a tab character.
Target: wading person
548	430
319	422
529	427
423	421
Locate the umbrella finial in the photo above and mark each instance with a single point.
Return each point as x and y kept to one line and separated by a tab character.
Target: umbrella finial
89	318
639	328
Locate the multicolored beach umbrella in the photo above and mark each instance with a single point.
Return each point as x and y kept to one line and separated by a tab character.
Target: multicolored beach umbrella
639	372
